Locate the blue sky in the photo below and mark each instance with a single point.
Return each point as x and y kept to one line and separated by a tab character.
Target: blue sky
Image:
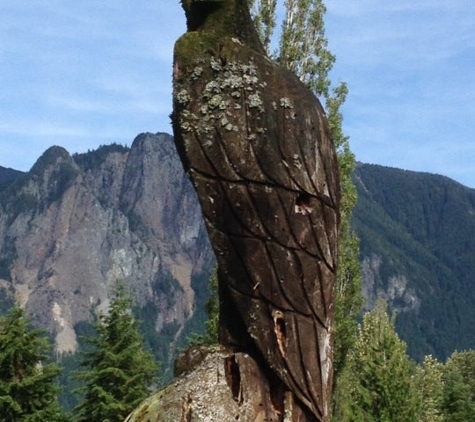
82	74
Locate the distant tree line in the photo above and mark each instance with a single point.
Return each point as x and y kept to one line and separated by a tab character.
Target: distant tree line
382	384
379	383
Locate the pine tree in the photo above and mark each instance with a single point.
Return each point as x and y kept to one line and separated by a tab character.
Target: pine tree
210	337
303	49
381	373
429	387
212	309
459	387
28	390
118	370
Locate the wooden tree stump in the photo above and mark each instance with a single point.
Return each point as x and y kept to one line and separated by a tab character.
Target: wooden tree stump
256	145
224	386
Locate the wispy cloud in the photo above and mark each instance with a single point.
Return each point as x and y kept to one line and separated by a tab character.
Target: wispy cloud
410	67
80	74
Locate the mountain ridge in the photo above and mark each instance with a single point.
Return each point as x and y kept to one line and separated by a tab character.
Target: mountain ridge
131	213
420	240
74	225
8	174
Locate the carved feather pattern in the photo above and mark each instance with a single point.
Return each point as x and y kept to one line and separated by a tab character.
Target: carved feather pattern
255	143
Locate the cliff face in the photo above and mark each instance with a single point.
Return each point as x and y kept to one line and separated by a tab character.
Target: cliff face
73	226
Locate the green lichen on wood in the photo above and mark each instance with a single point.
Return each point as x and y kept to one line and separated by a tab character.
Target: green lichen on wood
221	84
193	46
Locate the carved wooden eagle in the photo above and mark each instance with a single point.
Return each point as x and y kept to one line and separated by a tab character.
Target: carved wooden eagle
256	145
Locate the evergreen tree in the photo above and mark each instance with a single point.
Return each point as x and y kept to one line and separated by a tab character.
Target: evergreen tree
429	386
28	390
210	338
118	370
303	49
382	389
212	309
459	387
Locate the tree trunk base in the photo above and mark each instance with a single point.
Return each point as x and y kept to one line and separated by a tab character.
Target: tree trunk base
220	386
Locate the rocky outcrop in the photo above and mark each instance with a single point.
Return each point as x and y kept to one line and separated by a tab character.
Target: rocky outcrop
394	288
74	225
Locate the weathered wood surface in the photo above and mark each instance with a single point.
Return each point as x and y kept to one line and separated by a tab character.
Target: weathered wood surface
222	387
256	145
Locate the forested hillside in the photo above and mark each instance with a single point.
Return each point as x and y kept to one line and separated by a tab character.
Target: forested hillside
7	174
417	234
73	226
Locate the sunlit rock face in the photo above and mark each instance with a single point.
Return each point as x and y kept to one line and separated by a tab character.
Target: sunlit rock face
73	226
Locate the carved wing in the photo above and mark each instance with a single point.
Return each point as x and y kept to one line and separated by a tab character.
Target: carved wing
257	147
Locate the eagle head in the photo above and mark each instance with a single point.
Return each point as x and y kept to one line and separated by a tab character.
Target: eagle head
198	11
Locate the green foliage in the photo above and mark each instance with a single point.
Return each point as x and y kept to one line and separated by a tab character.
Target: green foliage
429	388
64	176
162	343
158	342
49	158
118	371
381	386
349	299
52	174
210	337
212	309
459	392
69	364
303	45
8	254
7	300
171	336
28	391
94	159
263	13
8	174
422	227
17	197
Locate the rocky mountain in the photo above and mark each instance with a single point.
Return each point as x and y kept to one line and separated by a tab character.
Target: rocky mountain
74	225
